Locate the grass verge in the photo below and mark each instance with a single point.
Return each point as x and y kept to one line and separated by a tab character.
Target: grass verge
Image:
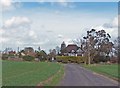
55	79
110	71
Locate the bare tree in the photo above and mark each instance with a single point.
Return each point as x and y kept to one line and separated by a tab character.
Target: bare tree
57	50
77	41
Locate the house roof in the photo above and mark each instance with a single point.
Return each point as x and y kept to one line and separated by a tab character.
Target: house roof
29	49
71	48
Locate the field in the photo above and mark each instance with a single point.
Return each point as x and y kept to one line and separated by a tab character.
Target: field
108	70
29	73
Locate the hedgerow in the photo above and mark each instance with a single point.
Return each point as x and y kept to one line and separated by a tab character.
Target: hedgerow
28	58
66	59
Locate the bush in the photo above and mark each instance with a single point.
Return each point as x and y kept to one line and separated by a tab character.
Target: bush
28	58
73	59
4	56
41	55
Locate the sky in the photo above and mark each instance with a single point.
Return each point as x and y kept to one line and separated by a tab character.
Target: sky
48	24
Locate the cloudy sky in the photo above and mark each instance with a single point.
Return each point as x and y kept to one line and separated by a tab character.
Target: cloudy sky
47	24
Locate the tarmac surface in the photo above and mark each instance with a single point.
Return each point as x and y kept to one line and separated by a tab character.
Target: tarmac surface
76	75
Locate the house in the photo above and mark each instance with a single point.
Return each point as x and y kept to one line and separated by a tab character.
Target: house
12	52
29	51
71	50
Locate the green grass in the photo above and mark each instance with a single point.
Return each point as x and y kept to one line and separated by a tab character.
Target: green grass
56	78
27	73
107	70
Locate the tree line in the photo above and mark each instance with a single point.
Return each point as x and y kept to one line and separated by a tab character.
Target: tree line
97	46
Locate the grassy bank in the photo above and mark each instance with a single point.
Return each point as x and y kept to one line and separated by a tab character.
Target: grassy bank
107	70
56	78
28	73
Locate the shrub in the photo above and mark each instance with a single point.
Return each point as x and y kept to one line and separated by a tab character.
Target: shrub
28	58
4	56
66	59
41	55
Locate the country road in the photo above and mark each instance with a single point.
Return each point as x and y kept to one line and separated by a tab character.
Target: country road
75	75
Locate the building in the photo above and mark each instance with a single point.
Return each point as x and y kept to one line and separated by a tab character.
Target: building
12	52
29	51
71	50
63	46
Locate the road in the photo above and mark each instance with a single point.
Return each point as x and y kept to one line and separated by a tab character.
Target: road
75	75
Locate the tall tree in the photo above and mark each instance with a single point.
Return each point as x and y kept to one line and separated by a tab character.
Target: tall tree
97	43
57	50
117	47
42	55
39	49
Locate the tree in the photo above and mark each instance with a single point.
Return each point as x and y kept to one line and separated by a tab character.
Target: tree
41	55
96	43
50	50
78	41
89	42
104	44
39	48
52	54
117	47
57	50
54	51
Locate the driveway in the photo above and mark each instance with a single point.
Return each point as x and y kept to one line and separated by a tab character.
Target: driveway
75	75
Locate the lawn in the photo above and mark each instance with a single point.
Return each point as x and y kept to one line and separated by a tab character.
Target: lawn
107	70
28	73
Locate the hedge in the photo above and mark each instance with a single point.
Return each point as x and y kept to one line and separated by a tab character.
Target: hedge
28	58
4	56
66	59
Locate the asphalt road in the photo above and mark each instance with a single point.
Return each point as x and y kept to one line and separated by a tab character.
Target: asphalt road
75	75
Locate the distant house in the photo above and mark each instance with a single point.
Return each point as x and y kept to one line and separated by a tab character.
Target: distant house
71	50
12	52
29	51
